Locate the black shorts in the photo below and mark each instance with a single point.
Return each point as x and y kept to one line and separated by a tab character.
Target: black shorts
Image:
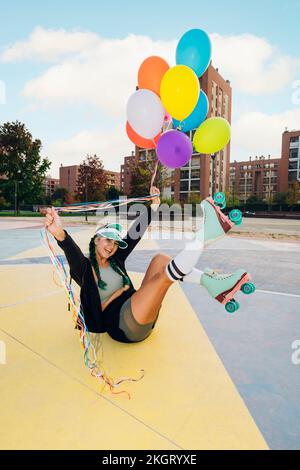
121	324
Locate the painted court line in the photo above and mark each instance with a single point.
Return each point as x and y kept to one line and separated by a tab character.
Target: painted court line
277	293
33	297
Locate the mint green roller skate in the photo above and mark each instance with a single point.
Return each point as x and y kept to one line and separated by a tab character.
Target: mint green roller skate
217	224
222	287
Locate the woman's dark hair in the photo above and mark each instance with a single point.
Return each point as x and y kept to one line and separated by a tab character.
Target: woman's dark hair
112	262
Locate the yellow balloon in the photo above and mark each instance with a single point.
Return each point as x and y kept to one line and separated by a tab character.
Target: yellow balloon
179	91
212	135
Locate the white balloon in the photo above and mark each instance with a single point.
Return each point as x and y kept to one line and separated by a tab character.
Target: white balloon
145	113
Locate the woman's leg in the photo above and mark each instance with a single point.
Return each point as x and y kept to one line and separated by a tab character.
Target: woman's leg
157	265
146	301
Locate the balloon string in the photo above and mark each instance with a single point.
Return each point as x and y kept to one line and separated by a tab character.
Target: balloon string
169	125
90	357
154	173
92	206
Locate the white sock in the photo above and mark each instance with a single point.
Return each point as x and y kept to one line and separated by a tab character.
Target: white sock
194	276
184	262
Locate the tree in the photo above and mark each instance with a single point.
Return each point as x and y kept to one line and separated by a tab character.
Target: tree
293	194
142	175
3	203
140	180
112	193
60	194
91	182
193	198
280	199
21	162
232	198
255	200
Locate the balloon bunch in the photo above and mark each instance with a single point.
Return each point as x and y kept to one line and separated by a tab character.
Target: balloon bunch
173	94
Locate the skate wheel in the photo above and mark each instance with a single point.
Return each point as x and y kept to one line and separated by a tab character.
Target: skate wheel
220	200
236	216
232	306
248	288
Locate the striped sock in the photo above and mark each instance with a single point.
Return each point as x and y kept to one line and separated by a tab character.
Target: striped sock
184	262
194	276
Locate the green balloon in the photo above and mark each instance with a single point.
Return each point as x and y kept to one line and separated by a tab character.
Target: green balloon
212	135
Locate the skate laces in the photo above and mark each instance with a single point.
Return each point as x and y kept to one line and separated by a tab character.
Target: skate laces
217	273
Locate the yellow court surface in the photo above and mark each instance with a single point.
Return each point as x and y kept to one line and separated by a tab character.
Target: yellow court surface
49	400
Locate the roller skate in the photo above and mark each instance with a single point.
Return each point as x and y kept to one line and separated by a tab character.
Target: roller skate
222	287
217	224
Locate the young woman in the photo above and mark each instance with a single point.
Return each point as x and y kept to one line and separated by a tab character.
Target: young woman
109	301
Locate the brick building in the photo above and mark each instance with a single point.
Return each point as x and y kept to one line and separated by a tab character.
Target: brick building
130	162
50	185
68	176
196	175
113	178
259	176
290	158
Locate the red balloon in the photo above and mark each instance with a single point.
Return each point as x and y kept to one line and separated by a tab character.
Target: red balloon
141	141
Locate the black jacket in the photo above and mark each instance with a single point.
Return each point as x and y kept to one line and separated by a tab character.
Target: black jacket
95	319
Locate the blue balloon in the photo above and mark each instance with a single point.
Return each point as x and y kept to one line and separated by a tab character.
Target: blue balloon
194	50
196	117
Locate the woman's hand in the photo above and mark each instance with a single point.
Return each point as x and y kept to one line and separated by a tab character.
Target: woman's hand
53	224
155	190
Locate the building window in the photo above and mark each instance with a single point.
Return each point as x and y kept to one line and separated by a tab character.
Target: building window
292	176
195	161
293	165
184	185
293	153
195	173
294	139
183	196
184	174
195	185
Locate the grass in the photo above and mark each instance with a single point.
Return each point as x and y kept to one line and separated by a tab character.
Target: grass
37	214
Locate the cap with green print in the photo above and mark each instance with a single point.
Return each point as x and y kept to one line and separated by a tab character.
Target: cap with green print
113	232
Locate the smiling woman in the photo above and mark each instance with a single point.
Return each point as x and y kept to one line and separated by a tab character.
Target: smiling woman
106	289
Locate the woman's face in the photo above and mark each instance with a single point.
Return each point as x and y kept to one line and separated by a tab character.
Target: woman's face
105	247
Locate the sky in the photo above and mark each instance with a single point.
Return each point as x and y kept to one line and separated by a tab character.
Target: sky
68	67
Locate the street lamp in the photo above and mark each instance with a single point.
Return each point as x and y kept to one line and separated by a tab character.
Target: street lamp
213	156
85	190
16	190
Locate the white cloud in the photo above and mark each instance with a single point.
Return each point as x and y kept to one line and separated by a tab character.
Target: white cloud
252	64
110	145
256	133
100	73
45	45
103	72
83	67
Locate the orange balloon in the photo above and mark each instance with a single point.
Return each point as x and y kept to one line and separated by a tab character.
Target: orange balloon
151	73
141	141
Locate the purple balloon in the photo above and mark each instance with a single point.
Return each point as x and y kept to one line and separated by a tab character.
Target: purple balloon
174	149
